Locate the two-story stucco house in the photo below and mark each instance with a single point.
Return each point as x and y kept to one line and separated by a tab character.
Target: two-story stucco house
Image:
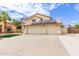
41	24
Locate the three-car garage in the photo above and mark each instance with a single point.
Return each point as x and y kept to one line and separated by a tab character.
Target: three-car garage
41	29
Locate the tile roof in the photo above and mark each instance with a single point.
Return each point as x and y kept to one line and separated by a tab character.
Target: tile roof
44	22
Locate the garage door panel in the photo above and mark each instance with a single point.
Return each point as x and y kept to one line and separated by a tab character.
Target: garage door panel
35	29
51	29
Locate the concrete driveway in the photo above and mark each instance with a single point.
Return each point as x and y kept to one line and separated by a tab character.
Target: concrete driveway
71	43
32	45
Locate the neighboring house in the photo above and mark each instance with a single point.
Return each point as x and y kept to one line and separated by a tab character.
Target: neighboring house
72	29
41	24
9	27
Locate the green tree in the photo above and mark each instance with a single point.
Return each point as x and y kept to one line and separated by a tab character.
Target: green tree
76	25
4	16
17	23
62	25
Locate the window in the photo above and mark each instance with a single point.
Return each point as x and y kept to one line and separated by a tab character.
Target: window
33	20
41	19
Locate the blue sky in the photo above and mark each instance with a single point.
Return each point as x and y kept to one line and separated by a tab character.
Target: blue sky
67	12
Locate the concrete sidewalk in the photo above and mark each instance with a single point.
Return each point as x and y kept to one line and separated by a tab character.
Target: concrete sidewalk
32	45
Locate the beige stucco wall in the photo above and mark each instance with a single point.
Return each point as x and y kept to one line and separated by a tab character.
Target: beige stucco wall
43	17
59	30
37	19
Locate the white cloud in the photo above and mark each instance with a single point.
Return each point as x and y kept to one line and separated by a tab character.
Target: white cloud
40	1
29	9
76	7
16	16
72	22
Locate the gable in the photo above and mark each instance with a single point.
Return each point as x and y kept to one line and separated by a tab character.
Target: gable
41	17
38	17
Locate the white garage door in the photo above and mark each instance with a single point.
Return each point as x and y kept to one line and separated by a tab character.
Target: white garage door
35	29
51	29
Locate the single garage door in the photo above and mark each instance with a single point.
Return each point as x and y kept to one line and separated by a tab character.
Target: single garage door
51	29
35	29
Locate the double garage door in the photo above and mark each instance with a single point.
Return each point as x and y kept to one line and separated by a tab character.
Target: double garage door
35	29
42	29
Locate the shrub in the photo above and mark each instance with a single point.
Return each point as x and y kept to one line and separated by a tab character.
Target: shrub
18	31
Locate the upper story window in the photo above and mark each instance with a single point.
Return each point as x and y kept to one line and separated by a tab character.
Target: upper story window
34	20
41	19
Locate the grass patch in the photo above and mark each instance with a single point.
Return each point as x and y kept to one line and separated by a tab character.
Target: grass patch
8	35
